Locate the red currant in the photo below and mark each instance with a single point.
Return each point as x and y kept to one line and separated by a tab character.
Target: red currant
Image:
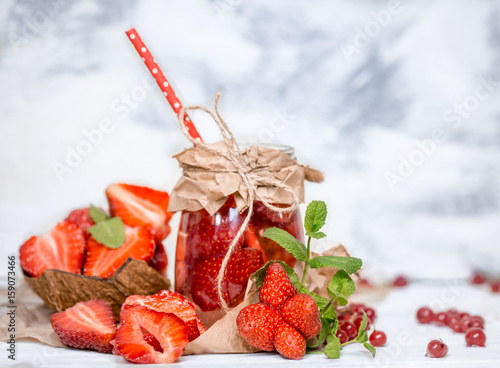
452	313
476	321
378	338
400	281
370	313
358	320
478	278
425	315
342	335
440	319
463	314
350	329
495	286
456	327
437	349
465	323
452	320
475	337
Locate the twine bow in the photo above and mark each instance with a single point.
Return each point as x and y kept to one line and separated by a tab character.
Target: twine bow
252	180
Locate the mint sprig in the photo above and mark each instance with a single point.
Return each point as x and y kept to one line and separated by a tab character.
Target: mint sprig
107	231
340	288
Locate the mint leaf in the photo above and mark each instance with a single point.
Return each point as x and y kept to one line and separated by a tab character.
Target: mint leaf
348	264
97	215
362	328
329	312
288	242
110	233
318	235
341	287
332	349
370	348
260	274
315	216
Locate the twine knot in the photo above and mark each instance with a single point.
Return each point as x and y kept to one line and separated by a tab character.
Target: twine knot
251	179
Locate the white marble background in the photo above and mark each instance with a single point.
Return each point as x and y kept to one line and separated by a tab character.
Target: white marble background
360	88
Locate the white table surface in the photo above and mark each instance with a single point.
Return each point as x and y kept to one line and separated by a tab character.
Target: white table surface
406	346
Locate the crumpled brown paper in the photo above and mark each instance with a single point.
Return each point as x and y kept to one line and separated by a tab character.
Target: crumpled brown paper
221	338
209	177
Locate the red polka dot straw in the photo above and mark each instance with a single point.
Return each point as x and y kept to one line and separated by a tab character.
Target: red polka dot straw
165	87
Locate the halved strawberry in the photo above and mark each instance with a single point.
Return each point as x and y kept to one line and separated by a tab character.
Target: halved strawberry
151	340
103	261
140	206
86	325
170	302
160	259
241	265
61	249
81	218
168	329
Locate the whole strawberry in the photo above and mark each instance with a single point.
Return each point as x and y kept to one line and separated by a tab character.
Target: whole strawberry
302	313
277	287
289	342
257	324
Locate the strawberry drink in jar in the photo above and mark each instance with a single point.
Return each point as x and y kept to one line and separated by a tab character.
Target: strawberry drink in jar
228	198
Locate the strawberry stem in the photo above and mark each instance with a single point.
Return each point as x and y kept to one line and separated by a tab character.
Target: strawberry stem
306	266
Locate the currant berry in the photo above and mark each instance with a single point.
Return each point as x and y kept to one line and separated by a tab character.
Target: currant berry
400	281
342	335
357	323
452	320
370	313
476	321
437	349
452	313
465	323
478	278
425	315
350	329
475	337
378	338
440	319
495	286
456	327
463	314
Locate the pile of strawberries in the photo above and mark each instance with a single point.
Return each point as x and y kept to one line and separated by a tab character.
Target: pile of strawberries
70	247
283	319
153	329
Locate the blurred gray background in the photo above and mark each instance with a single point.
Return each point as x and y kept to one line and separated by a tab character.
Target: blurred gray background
396	101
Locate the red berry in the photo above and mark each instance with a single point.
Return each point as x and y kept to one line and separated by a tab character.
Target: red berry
425	315
169	330
257	324
141	206
302	313
277	287
170	302
400	281
465	323
350	329
478	278
452	320
357	322
475	337
456	327
476	321
452	313
342	335
495	286
437	349
463	314
440	319
378	338
370	313
289	342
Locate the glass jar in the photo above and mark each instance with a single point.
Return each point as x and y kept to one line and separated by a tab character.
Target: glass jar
203	241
